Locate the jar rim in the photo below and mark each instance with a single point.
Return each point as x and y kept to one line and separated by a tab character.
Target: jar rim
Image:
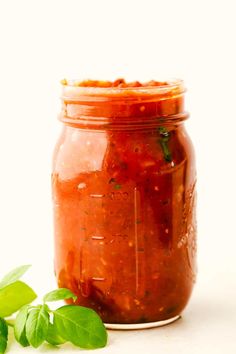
72	90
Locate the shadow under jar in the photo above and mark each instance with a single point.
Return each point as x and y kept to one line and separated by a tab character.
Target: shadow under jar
124	201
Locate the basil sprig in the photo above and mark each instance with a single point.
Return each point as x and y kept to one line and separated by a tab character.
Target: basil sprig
35	325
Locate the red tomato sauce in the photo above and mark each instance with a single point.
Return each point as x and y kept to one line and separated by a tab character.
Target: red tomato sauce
124	200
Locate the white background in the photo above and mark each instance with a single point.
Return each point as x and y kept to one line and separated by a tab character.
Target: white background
42	42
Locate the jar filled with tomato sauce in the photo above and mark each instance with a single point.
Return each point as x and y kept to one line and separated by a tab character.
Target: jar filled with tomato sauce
124	200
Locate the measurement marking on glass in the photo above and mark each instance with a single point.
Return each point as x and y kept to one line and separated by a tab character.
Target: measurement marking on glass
136	238
98	279
95	237
96	195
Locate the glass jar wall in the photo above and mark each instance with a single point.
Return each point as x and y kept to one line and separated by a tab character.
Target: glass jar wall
124	200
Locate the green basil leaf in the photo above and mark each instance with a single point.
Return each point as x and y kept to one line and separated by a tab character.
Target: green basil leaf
59	294
166	151
164	139
37	326
3	335
53	337
19	326
14	275
80	326
14	296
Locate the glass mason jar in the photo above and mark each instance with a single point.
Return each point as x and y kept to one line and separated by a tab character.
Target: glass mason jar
124	201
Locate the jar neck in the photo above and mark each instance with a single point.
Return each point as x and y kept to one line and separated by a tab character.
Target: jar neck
123	109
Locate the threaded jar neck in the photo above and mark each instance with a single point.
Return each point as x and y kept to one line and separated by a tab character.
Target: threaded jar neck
102	105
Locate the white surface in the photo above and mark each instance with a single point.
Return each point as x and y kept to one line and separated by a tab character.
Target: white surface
44	41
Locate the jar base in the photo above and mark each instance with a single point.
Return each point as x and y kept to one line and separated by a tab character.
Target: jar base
130	326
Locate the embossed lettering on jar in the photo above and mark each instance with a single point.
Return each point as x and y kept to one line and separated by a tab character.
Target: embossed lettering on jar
124	200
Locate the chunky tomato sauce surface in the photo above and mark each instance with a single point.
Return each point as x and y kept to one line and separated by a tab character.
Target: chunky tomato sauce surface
124	200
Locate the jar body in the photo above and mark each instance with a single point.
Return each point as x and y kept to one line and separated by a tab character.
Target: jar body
124	215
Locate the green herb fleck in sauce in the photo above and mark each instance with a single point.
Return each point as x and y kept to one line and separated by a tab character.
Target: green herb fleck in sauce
117	185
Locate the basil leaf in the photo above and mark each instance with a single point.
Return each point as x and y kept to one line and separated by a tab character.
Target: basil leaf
14	296
80	326
19	327
37	326
59	294
164	139
166	151
53	337
3	335
14	275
